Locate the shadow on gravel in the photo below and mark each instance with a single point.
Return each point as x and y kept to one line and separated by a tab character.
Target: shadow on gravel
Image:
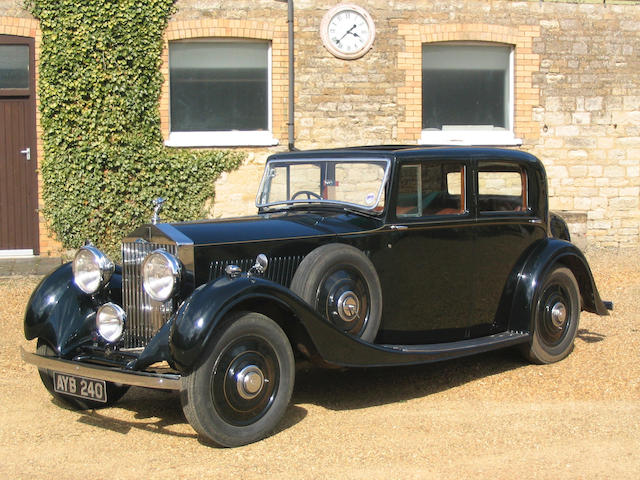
589	336
154	411
340	389
349	389
157	412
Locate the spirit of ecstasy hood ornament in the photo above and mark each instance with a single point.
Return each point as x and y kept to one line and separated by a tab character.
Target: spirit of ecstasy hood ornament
157	206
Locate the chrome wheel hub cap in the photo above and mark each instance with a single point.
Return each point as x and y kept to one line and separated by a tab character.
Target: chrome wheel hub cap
249	382
559	314
348	306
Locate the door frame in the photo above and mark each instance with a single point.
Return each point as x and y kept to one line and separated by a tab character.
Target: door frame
29	95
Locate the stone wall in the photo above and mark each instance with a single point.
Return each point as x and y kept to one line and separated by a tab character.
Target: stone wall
577	89
577	93
589	116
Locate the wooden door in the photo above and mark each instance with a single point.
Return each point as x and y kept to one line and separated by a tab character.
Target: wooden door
18	177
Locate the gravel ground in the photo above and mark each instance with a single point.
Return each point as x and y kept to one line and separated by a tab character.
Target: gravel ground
491	415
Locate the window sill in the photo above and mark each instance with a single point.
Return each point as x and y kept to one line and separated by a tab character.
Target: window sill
469	137
221	139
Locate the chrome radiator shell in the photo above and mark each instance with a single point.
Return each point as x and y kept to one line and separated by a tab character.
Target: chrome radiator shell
145	316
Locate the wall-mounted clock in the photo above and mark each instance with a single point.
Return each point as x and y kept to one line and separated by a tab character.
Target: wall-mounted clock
347	31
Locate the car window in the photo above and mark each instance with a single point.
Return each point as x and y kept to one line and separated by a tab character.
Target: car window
356	182
427	189
304	177
502	190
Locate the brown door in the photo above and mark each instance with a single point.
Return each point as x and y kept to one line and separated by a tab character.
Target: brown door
18	178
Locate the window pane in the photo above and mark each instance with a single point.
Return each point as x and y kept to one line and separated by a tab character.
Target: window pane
287	180
218	86
14	66
430	189
501	191
357	183
409	192
465	86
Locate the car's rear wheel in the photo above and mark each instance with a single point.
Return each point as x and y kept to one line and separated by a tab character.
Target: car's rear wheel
240	390
342	284
114	391
557	314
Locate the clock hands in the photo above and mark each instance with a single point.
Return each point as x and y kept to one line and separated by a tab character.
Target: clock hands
350	31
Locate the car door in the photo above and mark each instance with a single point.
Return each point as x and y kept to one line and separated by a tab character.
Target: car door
426	262
508	223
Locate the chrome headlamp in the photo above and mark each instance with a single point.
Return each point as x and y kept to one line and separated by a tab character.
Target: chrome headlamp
110	321
161	273
92	269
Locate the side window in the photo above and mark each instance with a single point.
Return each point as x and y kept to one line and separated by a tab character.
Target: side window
502	190
428	189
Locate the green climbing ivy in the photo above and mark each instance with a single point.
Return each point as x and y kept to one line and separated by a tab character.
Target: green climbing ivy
99	88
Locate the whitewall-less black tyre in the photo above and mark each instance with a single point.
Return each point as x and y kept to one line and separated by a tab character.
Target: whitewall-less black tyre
241	388
556	318
342	284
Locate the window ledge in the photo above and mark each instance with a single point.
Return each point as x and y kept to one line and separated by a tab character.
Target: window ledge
221	139
469	137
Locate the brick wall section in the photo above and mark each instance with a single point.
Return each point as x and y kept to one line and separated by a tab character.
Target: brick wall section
409	95
263	20
23	25
276	32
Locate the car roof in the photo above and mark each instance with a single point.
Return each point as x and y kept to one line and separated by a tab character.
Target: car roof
411	152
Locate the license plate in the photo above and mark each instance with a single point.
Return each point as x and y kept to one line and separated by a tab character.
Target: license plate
87	388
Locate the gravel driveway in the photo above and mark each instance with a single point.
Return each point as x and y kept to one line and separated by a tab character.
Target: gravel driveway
489	416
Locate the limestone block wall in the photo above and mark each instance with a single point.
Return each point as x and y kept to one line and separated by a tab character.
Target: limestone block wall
577	93
576	90
589	117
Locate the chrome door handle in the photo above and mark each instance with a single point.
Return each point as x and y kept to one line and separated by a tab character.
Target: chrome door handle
398	227
26	152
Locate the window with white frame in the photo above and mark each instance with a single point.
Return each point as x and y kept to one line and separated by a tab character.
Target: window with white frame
467	94
220	93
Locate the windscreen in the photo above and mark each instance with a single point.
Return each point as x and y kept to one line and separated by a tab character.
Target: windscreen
357	183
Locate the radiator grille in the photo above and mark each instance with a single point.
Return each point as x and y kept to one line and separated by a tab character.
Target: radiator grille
280	269
145	316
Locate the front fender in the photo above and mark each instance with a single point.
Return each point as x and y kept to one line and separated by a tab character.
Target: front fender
197	318
60	314
548	254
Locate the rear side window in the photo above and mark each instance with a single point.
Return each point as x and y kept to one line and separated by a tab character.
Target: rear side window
430	188
502	190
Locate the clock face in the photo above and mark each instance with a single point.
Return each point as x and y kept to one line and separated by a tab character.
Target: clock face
347	31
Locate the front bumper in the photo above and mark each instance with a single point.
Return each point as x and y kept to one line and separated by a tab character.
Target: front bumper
164	381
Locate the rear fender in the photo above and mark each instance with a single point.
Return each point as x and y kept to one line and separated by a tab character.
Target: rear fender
551	253
62	315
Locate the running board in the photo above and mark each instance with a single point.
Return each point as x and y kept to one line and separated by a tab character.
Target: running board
474	345
362	354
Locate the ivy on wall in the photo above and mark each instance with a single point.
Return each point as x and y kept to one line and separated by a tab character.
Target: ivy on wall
99	87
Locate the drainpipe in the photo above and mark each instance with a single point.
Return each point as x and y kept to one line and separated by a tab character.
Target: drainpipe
291	122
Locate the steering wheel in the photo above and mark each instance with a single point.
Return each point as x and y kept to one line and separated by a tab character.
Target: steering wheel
308	193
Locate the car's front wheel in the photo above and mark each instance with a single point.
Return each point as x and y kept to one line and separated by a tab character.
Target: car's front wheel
557	313
242	386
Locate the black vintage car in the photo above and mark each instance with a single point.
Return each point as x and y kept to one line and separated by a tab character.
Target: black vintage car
358	257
